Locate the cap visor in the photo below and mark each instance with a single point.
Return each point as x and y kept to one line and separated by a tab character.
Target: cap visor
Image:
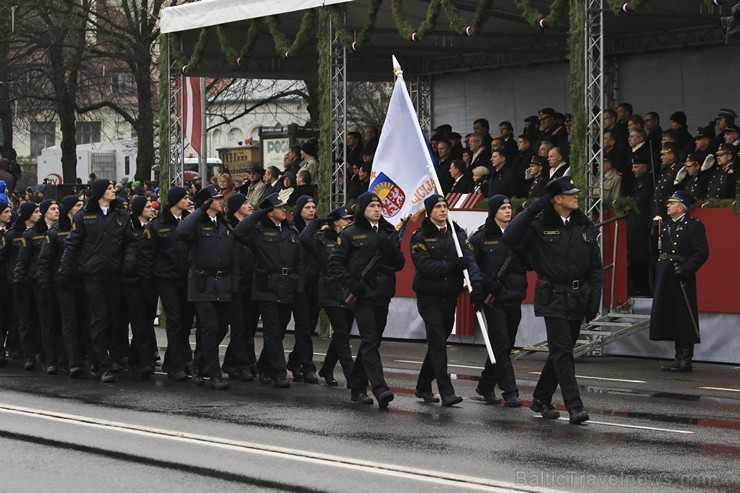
571	191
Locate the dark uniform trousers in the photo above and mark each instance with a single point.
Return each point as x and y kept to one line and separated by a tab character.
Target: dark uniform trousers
371	320
240	352
339	349
8	320
73	313
503	323
301	358
104	295
560	368
275	318
138	299
439	318
213	323
51	335
28	326
179	314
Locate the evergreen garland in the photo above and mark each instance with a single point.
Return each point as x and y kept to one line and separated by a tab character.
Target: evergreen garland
457	23
304	32
164	115
325	135
200	46
534	16
232	56
367	28
577	74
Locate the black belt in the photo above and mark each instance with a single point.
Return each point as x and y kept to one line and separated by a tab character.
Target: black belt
573	284
218	274
283	271
671	257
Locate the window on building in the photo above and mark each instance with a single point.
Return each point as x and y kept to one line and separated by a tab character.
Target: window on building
86	132
121	82
42	136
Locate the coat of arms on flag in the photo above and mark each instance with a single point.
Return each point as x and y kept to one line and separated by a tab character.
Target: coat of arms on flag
391	194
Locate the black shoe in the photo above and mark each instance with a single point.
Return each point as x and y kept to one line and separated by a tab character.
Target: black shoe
28	365
265	379
427	396
544	408
361	398
384	398
189	368
297	374
310	377
577	416
670	366
94	372
218	383
179	376
198	377
245	375
75	372
51	370
489	396
451	400
512	400
281	382
330	380
682	366
147	371
107	377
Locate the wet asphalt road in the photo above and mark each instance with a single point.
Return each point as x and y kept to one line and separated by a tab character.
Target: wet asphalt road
649	430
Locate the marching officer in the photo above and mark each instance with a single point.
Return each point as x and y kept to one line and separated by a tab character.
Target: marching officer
438	281
682	249
239	360
70	294
358	243
103	245
320	238
306	306
212	280
138	297
277	282
164	258
562	247
44	301
504	297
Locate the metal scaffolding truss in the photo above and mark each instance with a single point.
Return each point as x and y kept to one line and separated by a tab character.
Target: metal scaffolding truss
338	191
594	31
420	88
176	157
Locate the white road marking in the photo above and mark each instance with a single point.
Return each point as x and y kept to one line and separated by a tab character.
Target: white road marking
387	469
720	388
600	378
448	364
636	427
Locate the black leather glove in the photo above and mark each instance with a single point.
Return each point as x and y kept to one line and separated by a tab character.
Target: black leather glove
679	272
205	205
387	245
590	316
540	203
492	286
460	263
477	297
358	289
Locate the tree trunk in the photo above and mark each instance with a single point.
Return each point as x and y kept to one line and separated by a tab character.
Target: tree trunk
145	123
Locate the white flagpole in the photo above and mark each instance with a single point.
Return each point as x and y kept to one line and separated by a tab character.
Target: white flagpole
479	316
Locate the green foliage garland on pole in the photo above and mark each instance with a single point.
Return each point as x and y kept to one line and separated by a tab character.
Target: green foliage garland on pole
164	115
577	67
325	135
533	16
229	52
281	41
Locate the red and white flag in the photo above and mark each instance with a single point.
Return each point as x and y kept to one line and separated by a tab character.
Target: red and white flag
192	112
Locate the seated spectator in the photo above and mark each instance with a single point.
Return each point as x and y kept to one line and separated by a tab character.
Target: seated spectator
287	188
309	151
467	157
504	180
462	180
558	166
678	123
480	180
303	187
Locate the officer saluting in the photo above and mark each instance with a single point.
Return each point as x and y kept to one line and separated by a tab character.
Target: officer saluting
438	281
211	280
358	243
682	249
278	280
562	247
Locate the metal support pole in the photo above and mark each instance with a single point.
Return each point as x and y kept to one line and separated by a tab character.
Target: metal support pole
420	89
338	191
175	170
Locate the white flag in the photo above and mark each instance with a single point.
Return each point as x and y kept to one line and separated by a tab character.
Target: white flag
403	171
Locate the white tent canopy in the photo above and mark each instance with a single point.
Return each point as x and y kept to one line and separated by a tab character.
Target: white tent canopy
208	13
